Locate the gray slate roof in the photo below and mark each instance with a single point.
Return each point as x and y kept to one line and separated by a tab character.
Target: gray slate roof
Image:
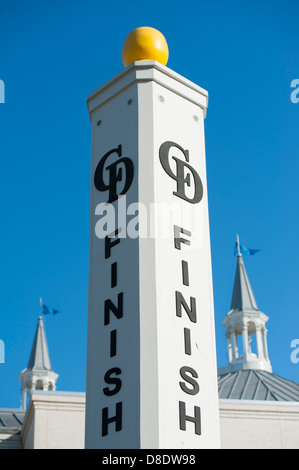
256	385
11	420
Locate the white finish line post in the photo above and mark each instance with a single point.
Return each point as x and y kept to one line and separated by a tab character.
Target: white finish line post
151	355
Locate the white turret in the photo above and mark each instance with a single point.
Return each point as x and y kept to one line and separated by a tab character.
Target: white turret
38	375
246	321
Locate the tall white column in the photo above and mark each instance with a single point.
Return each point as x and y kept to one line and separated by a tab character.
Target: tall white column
151	359
234	344
229	347
264	336
245	340
259	343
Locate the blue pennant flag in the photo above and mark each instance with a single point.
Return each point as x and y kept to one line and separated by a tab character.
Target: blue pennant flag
244	250
47	310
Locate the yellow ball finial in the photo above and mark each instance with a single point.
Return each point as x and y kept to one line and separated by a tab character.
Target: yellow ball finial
145	43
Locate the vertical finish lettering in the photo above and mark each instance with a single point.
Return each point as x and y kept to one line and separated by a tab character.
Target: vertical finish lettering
196	419
116	310
180	301
185	273
195	387
113	343
187	341
177	239
117	419
109	244
112	381
114	274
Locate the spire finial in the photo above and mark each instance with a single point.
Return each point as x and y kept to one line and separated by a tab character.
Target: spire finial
238	245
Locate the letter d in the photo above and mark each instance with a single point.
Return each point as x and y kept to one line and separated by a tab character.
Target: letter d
150	459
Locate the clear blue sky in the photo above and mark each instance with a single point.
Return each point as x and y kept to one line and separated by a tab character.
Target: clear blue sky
53	54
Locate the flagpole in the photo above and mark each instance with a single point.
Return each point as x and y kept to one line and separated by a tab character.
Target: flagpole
40	306
238	245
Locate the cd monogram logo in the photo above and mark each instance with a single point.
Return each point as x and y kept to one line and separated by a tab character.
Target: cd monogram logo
181	177
115	174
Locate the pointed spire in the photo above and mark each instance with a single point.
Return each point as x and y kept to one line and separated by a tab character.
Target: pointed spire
39	357
242	298
38	375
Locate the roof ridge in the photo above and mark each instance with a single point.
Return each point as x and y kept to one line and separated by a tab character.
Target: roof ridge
3	422
246	384
286	381
17	418
225	377
259	381
222	382
237	373
277	391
